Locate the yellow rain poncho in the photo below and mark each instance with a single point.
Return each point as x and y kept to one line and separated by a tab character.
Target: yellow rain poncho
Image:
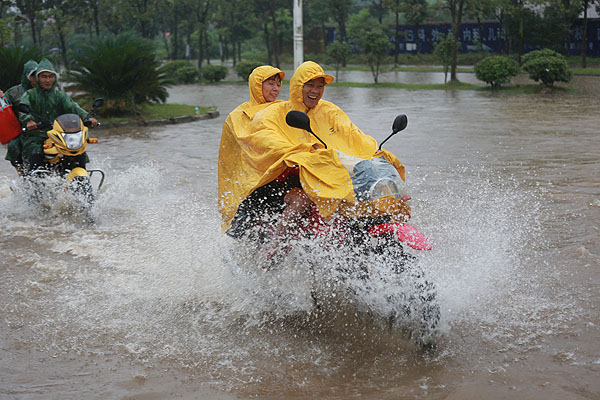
270	146
235	177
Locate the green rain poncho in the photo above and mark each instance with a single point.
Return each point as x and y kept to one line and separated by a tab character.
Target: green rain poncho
14	94
45	105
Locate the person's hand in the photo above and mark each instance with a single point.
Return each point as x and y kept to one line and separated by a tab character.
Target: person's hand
31	125
94	121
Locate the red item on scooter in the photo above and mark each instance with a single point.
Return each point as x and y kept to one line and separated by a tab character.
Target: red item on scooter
405	233
10	127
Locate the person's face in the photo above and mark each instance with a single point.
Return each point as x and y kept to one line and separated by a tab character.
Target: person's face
46	79
312	91
271	88
32	80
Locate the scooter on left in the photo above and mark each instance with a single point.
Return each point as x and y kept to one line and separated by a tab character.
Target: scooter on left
63	171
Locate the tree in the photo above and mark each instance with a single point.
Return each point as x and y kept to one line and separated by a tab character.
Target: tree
480	10
271	8
395	7
61	17
338	52
377	8
91	8
29	10
235	20
203	8
123	70
6	28
564	13
585	5
443	52
456	12
315	16
415	12
371	39
341	11
510	13
377	46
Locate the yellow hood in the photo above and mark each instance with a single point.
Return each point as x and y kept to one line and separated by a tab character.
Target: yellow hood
307	71
256	79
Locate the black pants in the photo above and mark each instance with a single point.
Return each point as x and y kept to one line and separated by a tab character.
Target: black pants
264	201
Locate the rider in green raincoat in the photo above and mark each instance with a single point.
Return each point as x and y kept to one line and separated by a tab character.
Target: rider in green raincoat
46	103
14	94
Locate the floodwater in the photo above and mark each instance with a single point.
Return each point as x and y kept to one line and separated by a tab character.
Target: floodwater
143	305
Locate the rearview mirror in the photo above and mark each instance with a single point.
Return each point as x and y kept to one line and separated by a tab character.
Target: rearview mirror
400	123
298	119
98	103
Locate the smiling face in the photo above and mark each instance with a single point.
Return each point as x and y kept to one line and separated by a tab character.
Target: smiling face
312	91
271	88
46	79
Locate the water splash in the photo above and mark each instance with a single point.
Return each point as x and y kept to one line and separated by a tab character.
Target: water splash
155	279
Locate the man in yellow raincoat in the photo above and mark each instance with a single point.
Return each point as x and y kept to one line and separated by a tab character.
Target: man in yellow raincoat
272	149
264	83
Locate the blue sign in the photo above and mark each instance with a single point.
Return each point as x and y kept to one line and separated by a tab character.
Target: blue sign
488	36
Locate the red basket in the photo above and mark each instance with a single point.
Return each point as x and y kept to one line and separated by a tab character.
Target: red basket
10	127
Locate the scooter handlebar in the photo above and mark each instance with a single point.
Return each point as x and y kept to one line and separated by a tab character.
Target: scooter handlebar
43	126
88	123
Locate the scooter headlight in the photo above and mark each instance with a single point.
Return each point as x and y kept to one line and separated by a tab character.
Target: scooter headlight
73	140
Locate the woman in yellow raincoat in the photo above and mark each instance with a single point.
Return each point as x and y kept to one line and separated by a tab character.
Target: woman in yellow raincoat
272	148
264	83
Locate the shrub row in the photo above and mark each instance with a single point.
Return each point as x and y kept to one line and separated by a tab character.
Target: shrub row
545	66
182	71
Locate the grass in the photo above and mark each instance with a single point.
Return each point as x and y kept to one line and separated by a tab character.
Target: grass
514	89
154	111
411	86
400	68
574	70
585	71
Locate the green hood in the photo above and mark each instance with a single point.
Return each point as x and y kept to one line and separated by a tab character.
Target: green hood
29	67
45	65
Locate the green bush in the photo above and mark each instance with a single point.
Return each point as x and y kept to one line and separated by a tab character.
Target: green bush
214	73
546	66
121	69
186	74
245	68
181	71
496	70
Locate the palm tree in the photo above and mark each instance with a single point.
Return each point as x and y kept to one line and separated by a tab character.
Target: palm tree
121	69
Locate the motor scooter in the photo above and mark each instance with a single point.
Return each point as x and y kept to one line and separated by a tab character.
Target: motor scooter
63	169
367	246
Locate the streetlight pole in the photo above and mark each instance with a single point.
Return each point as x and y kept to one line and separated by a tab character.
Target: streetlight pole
298	34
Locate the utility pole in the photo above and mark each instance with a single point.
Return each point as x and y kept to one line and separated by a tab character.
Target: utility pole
298	34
